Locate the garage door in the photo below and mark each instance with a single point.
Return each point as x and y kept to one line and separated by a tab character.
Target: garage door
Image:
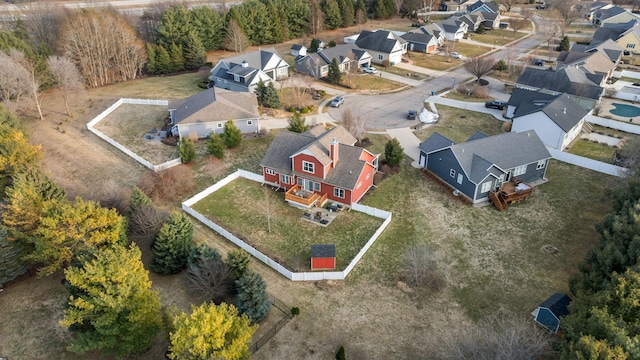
431	48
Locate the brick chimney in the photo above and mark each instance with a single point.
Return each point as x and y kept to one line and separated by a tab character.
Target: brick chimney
333	151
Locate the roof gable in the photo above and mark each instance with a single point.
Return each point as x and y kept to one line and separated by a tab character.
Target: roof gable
435	142
215	105
569	80
381	40
562	110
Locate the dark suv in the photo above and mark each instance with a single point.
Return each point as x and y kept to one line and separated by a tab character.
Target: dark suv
412	115
495	104
538	62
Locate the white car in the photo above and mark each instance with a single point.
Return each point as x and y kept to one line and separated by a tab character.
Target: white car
370	70
455	55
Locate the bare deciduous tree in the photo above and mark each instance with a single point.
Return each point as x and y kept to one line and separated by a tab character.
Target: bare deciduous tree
549	28
517	24
33	80
569	11
420	268
236	39
113	196
479	66
316	17
507	4
146	220
526	13
44	21
103	46
355	124
13	81
210	278
66	76
503	336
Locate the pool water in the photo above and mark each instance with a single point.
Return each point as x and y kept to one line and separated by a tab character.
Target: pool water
625	110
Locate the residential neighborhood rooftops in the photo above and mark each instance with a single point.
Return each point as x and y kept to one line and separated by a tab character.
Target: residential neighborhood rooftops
417	37
215	105
380	40
570	80
562	110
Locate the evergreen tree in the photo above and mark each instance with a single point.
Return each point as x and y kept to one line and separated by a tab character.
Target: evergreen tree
195	54
231	136
384	9
138	199
261	88
271	99
253	299
215	145
347	10
297	123
238	260
335	75
313	47
16	154
11	264
202	252
151	55
360	14
332	17
211	332
112	305
163	61
173	245
175	24
565	44
340	355
209	24
393	152
278	23
177	57
480	29
187	150
501	65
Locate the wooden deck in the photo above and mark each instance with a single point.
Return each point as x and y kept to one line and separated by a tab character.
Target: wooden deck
303	197
513	191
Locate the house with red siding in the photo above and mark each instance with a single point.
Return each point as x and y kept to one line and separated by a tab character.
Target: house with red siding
319	165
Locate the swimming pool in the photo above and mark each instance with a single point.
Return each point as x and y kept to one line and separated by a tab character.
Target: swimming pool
625	110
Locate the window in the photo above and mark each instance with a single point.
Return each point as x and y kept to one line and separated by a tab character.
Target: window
316	186
520	170
452	173
219	125
249	122
460	177
540	165
236	78
300	182
271	172
380	57
486	187
285	179
339	193
631	46
307	167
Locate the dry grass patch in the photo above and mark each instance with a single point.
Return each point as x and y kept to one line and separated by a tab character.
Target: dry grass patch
498	37
433	61
248	210
458	124
471	50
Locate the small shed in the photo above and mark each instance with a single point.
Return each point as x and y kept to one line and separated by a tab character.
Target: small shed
548	313
299	50
323	257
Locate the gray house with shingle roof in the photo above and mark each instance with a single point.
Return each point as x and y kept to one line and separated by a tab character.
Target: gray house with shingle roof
209	110
349	57
420	41
612	15
383	46
452	28
608	47
484	163
557	122
319	162
243	72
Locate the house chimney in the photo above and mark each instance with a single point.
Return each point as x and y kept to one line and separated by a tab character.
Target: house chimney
333	151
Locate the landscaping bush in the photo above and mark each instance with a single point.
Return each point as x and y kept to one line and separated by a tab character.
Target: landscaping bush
173	245
231	136
252	300
393	152
208	275
169	185
187	150
146	220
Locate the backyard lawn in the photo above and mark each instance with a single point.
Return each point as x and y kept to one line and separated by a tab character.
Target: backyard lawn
458	125
498	37
262	218
593	150
433	61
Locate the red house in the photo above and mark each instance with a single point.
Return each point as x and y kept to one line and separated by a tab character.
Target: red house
319	165
323	257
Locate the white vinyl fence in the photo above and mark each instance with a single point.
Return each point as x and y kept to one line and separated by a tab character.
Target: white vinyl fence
587	163
614	124
295	276
124	149
626	73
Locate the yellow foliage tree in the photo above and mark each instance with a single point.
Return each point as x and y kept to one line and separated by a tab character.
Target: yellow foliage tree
16	153
211	332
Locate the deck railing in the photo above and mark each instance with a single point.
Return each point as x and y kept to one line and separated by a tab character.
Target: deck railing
294	195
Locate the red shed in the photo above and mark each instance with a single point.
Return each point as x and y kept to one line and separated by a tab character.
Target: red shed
323	257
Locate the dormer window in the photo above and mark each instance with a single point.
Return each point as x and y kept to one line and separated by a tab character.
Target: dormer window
307	167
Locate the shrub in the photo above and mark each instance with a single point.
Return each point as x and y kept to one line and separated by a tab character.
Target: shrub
138	199
173	245
393	152
208	275
238	260
169	185
252	300
231	136
215	145
146	220
187	150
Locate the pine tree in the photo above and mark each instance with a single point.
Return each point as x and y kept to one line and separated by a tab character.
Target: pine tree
565	44
332	19
112	303
163	61
253	299
202	252
360	14
238	260
297	123
11	264
340	355
261	88
271	99
187	150
173	245
315	44
215	145
138	199
501	65
195	54
335	75
393	152
211	332
177	57
347	10
480	29
151	55
231	136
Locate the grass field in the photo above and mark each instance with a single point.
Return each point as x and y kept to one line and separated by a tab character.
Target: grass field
498	37
458	125
433	61
592	150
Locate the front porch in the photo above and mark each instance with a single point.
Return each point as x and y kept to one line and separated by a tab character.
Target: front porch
510	192
299	197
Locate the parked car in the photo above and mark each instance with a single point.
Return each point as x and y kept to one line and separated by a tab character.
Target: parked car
412	115
339	100
370	70
636	84
541	6
538	62
495	104
455	55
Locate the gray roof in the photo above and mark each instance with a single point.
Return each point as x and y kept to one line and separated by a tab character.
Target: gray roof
562	110
450	25
253	61
477	135
297	47
381	40
569	80
609	47
490	15
609	12
345	173
528	99
215	105
507	151
323	251
431	29
417	37
435	142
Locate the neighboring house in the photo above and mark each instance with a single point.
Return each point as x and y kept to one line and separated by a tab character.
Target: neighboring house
456	6
209	110
612	15
488	12
383	46
433	30
420	41
548	313
593	62
491	20
522	96
592	7
319	165
298	50
243	72
349	57
557	122
608	47
626	35
485	163
481	6
473	21
584	88
452	28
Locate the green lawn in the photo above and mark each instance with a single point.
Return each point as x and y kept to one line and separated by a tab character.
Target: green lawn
593	150
454	126
498	37
241	207
433	61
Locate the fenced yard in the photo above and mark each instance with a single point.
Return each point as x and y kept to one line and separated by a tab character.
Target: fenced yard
458	125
